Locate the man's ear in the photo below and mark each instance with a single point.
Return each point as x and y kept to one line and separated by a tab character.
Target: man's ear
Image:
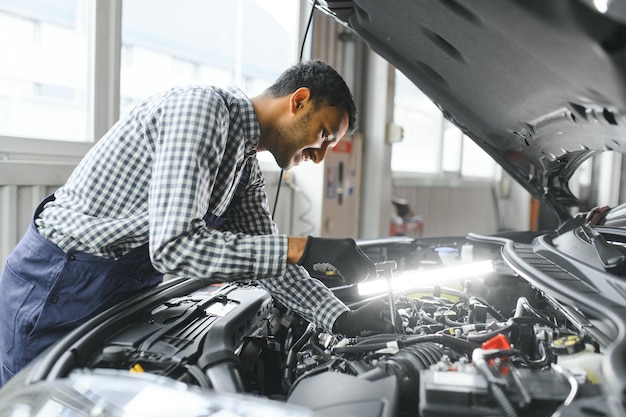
299	98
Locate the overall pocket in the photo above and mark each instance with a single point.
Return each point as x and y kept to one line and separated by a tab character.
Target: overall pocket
80	292
14	314
86	286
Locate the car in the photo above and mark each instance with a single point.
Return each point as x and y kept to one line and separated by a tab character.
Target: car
516	323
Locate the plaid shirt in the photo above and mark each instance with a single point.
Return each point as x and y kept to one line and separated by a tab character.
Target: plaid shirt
170	173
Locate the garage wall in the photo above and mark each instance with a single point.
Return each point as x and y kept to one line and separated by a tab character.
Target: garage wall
459	207
17	203
453	210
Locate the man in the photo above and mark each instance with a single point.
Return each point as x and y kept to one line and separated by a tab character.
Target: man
175	187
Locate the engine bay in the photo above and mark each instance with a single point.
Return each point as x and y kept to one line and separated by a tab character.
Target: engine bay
498	343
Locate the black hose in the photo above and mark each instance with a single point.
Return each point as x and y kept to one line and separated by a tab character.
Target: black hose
201	378
292	357
427	319
377	338
446	340
514	353
407	364
494	313
508	353
450	323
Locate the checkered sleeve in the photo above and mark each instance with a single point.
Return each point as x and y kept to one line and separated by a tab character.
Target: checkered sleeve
306	296
295	289
190	132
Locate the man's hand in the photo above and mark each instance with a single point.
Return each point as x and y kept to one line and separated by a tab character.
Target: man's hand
323	257
371	318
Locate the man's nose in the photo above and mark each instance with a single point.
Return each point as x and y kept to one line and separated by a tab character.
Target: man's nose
320	153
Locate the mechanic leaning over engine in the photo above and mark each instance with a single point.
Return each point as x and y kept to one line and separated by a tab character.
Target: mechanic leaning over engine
175	188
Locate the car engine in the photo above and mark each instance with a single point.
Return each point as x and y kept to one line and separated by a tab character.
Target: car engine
484	345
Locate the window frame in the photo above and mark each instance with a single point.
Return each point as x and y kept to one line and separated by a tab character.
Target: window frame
441	175
18	155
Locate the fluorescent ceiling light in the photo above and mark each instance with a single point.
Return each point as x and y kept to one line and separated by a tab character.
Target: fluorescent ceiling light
408	280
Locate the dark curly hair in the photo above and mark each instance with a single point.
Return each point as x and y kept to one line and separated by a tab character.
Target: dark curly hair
326	86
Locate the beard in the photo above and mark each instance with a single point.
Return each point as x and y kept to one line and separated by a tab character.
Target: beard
289	140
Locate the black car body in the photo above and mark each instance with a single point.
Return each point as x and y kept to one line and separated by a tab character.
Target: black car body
541	87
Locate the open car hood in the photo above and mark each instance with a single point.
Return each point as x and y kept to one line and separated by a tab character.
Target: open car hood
540	86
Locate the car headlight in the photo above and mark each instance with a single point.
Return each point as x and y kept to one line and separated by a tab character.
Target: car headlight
126	394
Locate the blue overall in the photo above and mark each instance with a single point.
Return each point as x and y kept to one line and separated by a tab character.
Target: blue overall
47	292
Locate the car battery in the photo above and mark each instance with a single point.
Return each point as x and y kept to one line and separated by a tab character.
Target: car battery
466	393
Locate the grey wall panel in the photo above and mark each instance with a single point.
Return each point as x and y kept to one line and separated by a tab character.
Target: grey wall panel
452	211
17	203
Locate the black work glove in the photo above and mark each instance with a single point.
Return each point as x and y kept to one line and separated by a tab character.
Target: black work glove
371	318
324	258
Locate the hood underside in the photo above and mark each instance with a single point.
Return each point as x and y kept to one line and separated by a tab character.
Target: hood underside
539	85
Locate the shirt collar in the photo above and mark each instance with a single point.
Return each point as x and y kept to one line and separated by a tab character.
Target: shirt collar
250	123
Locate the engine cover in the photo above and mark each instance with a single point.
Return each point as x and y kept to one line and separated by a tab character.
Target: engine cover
197	338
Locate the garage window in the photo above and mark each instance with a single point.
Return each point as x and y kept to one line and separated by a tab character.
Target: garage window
215	42
70	68
43	76
432	146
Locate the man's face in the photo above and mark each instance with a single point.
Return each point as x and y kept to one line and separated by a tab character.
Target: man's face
309	134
